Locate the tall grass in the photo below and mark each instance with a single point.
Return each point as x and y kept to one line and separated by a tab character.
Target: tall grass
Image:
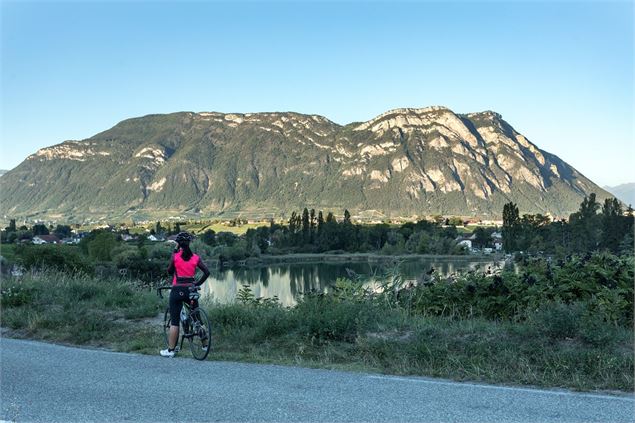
461	349
580	341
74	308
557	345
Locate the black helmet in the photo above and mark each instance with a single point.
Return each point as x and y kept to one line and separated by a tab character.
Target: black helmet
183	238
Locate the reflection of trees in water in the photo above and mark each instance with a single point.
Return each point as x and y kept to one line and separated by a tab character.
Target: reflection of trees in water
217	274
264	276
294	276
277	271
303	278
328	274
313	277
249	276
308	278
318	277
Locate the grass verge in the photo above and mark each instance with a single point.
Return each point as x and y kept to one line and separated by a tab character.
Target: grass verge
550	349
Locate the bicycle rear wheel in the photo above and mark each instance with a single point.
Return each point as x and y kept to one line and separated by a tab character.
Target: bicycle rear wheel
201	335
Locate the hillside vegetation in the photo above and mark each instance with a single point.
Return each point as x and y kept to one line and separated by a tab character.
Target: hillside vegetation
405	162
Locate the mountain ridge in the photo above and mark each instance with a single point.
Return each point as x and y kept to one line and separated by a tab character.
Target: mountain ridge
403	162
624	192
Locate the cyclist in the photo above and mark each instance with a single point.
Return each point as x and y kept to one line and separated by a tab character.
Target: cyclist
183	265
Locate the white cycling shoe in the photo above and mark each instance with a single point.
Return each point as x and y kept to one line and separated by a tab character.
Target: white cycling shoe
167	353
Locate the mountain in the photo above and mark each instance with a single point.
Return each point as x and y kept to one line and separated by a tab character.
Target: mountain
623	192
2	172
401	163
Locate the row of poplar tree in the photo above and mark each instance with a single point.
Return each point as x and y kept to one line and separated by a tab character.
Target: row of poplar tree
593	227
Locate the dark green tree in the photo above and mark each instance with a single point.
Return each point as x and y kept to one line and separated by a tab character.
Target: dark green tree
209	237
292	223
306	226
511	227
226	238
40	230
612	225
347	217
483	237
312	225
100	248
62	231
585	227
320	221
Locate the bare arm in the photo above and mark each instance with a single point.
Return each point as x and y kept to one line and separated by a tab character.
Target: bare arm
205	271
171	267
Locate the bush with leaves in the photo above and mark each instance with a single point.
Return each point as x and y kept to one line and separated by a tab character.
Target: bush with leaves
601	281
58	257
137	264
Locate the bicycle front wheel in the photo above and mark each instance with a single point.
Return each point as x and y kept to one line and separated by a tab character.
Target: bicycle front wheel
201	335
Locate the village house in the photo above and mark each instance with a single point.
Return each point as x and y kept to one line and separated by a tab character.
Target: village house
465	241
45	239
497	241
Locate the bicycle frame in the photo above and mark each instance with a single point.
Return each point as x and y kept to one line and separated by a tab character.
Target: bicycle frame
186	326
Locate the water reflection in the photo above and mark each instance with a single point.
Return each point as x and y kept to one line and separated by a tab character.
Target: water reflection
289	281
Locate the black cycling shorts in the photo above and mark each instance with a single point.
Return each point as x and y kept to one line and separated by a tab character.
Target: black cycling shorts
178	294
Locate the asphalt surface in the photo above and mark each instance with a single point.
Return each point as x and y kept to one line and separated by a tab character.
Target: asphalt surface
51	383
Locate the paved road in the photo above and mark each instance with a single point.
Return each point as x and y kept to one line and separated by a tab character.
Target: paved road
51	383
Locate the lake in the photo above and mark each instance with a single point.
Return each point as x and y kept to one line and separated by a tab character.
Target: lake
289	281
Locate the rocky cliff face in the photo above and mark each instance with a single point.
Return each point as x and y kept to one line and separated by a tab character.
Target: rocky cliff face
404	162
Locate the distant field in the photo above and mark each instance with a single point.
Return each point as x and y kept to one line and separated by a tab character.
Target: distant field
199	228
217	227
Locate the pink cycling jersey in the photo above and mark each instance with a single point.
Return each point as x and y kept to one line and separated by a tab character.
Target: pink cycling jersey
184	269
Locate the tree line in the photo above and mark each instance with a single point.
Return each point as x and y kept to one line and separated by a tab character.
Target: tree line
312	231
593	227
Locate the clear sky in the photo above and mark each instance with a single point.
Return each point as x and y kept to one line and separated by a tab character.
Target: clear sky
560	73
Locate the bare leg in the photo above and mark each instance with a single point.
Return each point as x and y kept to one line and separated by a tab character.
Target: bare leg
173	337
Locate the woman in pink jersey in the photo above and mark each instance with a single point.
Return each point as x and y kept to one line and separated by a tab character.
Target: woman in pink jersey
183	265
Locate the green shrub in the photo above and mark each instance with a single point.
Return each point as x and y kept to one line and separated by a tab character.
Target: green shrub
273	323
230	317
325	318
596	332
15	294
83	291
57	257
101	247
602	281
136	264
558	320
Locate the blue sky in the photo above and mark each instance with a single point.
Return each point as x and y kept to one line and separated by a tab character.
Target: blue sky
560	73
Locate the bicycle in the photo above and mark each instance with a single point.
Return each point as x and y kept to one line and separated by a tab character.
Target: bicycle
194	325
